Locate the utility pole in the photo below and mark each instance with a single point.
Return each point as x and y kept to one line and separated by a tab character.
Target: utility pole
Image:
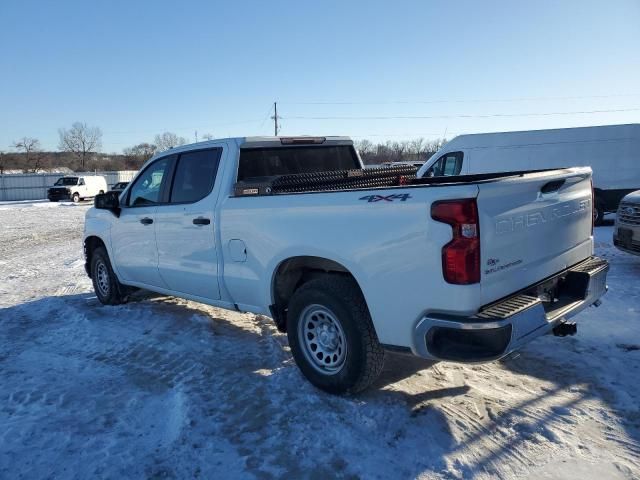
196	136
275	118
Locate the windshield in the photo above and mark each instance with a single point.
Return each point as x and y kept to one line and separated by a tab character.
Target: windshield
65	181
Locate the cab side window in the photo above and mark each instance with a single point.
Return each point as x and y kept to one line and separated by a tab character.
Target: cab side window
81	182
147	188
195	175
448	165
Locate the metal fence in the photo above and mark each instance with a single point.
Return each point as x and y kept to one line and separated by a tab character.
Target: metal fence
33	186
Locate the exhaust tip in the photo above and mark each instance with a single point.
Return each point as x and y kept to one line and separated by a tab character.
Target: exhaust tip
566	328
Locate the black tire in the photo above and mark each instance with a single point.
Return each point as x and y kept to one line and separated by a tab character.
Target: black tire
598	213
75	198
105	283
340	298
52	200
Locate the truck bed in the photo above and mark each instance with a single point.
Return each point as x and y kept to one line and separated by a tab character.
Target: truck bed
361	179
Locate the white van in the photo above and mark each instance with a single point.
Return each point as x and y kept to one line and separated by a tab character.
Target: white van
612	151
77	188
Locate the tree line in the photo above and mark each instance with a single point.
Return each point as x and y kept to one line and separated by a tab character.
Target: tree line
416	150
79	149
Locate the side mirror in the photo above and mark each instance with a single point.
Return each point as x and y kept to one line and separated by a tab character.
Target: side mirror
108	201
429	172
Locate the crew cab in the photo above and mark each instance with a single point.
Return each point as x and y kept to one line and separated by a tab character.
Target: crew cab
353	262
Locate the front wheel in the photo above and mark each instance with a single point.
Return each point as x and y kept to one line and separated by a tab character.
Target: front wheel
105	283
75	198
331	335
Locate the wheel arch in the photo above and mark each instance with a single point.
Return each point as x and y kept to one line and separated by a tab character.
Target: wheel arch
293	272
90	244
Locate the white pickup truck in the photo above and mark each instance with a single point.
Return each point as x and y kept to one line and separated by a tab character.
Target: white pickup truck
351	262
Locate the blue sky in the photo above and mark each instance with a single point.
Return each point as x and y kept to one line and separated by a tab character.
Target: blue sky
140	68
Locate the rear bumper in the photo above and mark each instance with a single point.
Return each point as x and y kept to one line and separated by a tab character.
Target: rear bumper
630	241
507	325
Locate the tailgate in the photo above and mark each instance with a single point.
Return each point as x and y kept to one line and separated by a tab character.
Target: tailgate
531	227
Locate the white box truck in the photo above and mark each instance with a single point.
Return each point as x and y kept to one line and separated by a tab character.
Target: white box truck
612	152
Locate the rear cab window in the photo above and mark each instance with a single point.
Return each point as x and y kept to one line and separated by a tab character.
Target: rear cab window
256	162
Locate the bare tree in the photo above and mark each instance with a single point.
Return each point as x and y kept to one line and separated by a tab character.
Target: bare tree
365	148
208	136
168	140
81	140
3	162
143	150
31	149
136	155
398	150
417	147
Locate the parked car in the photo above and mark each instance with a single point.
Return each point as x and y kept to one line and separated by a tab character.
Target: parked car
77	188
626	234
119	187
611	151
350	262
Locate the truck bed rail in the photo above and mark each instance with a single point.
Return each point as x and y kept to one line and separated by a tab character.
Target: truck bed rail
356	179
327	181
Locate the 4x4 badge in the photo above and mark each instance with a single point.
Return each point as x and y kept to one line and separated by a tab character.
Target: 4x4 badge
386	198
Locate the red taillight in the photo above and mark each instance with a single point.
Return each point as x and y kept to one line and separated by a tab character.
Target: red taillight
461	256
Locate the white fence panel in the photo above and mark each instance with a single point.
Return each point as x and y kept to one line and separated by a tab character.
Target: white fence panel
33	186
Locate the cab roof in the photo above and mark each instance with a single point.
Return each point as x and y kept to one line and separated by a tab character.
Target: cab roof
266	141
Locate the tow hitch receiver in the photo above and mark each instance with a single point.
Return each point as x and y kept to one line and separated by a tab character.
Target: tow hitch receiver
566	328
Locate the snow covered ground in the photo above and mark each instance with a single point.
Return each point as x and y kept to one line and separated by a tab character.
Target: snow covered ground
164	388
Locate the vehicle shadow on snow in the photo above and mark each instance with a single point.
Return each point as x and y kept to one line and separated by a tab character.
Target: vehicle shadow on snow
228	378
577	390
236	382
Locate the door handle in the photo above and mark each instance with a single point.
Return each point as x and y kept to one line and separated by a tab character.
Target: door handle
146	221
201	221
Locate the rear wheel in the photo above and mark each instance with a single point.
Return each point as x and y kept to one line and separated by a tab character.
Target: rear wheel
598	213
105	283
332	337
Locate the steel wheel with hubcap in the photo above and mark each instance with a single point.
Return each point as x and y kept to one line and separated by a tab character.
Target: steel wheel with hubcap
322	338
105	283
102	278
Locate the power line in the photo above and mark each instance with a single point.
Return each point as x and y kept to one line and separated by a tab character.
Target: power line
266	116
493	100
418	134
488	115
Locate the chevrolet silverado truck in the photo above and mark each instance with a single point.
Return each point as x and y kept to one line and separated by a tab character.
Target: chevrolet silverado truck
353	262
